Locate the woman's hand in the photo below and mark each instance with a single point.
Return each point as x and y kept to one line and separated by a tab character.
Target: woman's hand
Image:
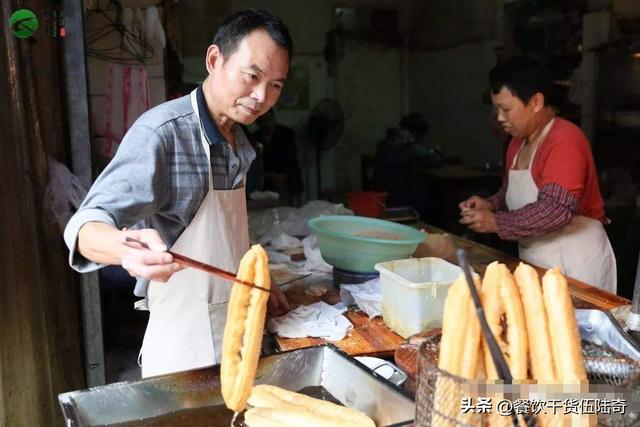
480	221
476	202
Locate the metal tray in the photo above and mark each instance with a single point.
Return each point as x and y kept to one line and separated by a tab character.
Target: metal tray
196	393
404	214
601	328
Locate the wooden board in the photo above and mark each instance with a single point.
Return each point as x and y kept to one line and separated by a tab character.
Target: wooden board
369	337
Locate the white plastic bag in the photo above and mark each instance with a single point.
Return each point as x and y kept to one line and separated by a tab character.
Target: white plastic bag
367	295
284	242
296	225
278	238
314	260
64	193
263	222
290	221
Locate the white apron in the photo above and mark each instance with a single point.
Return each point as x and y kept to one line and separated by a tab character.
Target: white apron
188	313
581	248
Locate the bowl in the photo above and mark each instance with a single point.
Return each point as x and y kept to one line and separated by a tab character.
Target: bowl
357	244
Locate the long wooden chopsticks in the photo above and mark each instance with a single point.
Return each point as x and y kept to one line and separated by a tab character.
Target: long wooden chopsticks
190	262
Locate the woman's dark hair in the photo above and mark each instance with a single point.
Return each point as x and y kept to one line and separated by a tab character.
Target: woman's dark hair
524	76
236	26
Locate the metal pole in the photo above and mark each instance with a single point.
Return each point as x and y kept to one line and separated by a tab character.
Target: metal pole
80	138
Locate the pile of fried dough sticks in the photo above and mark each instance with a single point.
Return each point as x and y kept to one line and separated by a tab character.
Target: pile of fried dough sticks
535	328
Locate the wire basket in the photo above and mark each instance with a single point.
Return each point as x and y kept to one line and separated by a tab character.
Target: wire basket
439	395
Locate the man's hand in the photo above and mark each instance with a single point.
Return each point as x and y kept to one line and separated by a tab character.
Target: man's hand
277	304
153	263
475	202
480	221
103	243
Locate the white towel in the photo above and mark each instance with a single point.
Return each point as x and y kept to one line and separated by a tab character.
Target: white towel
319	320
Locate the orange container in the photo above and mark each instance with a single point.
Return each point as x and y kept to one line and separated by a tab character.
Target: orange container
368	203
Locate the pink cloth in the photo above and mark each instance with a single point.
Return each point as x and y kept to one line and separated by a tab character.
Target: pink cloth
127	98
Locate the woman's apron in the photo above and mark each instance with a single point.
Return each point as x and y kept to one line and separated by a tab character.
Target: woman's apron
187	314
581	248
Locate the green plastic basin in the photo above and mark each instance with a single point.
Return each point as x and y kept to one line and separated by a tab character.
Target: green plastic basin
356	243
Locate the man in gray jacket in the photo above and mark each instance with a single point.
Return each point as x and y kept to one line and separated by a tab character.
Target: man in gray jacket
177	181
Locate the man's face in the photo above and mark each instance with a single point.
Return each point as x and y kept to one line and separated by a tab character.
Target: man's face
249	82
515	116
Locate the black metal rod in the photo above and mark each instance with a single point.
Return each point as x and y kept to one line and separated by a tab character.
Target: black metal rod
498	359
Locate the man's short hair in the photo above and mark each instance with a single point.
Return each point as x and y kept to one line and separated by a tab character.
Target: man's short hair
236	26
524	76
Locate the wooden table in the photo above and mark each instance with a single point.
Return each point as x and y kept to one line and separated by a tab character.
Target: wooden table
480	256
373	337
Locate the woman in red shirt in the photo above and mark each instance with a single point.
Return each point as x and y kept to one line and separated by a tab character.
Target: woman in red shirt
549	200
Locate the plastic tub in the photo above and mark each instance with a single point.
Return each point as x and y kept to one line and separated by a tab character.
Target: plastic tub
367	203
413	293
356	243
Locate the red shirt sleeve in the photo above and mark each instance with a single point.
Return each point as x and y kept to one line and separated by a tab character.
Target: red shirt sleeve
565	166
553	209
498	200
563	161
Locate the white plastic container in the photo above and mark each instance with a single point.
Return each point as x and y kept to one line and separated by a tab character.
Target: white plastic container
413	292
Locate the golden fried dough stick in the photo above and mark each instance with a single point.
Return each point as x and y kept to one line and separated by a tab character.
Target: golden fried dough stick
500	297
244	328
472	352
268	396
542	367
566	346
297	417
516	326
493	310
459	326
481	371
565	336
459	352
471	345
